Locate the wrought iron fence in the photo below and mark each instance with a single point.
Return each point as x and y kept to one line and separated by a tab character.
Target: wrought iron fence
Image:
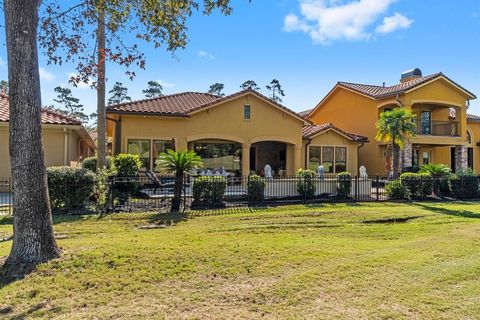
144	194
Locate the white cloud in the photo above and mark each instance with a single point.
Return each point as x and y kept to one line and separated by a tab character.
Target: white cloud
166	84
45	75
204	54
394	23
328	20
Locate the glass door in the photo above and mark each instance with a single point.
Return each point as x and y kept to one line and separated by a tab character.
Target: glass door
426	122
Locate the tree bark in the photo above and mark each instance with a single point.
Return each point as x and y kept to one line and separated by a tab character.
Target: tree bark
101	113
177	192
395	160
33	238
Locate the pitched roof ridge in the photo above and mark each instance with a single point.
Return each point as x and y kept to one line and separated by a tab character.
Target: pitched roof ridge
359	84
173	95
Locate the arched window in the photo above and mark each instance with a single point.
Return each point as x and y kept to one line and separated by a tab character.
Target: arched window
469	138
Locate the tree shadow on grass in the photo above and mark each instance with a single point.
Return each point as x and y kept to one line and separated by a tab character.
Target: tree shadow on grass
450	212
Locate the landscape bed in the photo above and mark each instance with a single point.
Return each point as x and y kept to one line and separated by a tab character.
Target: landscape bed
344	261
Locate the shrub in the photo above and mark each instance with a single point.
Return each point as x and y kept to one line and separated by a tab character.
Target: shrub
412	169
344	184
465	184
417	184
396	190
440	174
69	187
306	183
127	165
256	188
209	189
91	164
100	194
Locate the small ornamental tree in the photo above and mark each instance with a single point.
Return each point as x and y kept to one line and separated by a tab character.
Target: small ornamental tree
179	163
396	127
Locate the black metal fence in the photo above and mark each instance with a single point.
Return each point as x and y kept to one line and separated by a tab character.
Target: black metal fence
144	194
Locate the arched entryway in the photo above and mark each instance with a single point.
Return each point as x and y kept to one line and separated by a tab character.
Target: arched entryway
272	153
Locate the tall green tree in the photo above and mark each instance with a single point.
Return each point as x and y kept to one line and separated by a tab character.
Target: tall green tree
179	163
276	90
217	89
118	94
4	87
250	85
396	127
70	105
154	89
65	34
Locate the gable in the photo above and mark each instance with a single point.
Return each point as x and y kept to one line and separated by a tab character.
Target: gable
438	90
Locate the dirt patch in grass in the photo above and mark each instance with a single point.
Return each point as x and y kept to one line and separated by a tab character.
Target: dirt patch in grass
391	220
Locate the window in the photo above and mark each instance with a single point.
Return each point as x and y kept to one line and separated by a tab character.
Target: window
142	149
469	138
314	158
216	156
426	122
160	146
340	159
327	159
426	157
415	158
246	112
333	159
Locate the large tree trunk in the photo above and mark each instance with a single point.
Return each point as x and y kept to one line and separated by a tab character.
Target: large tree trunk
33	239
101	113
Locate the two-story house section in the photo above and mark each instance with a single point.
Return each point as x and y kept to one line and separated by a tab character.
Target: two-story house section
439	103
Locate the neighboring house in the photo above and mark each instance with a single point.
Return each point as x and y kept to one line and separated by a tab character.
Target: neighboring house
240	133
65	140
445	134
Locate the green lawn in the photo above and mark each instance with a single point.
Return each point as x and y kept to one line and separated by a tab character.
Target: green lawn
372	261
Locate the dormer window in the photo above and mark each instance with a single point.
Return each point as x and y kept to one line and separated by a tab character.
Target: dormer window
246	112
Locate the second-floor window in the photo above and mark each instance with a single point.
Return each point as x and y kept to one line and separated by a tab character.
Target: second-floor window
246	112
426	122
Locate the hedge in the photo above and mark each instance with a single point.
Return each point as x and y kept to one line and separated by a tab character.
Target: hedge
209	189
256	188
344	184
306	184
69	187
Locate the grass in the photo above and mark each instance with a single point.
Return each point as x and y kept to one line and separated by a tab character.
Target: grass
372	261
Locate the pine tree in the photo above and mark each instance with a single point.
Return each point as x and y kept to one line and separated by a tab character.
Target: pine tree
118	94
250	85
153	90
69	105
216	89
275	91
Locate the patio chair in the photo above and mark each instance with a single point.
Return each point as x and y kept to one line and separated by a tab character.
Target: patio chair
156	183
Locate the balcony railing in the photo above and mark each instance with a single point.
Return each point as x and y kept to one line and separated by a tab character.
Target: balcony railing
438	128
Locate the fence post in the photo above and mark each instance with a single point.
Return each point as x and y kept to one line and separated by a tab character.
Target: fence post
356	188
377	184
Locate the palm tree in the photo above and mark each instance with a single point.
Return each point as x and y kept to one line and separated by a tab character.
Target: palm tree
396	127
179	163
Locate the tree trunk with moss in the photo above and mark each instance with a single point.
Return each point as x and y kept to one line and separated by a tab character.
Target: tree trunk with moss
33	238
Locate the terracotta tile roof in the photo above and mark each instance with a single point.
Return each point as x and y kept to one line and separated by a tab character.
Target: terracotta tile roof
48	116
312	130
179	104
382	92
184	104
473	117
305	113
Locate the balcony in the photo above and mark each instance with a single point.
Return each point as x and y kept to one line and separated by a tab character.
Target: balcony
438	128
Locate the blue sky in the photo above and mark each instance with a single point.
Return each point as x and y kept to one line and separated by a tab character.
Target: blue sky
308	45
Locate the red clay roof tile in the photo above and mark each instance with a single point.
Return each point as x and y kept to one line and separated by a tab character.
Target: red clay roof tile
312	130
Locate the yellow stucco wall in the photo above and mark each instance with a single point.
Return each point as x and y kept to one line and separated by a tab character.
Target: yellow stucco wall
358	114
474	128
53	139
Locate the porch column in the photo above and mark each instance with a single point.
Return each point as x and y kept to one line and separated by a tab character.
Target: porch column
461	160
297	158
246	159
407	155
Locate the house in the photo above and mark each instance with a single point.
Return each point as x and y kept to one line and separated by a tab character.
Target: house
445	132
239	133
65	140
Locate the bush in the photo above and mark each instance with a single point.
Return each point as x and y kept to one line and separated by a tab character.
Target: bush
91	164
209	189
69	187
344	184
127	165
465	184
412	169
256	188
417	184
396	190
306	183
